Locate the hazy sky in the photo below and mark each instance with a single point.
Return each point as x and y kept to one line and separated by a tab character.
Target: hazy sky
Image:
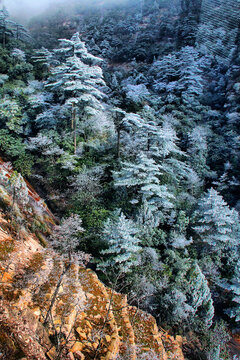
31	7
21	8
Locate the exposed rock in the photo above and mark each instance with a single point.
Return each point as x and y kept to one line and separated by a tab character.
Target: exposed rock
87	320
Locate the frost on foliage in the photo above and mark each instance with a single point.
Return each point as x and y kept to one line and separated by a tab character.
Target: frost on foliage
39	99
234	287
34	85
120	235
158	142
97	124
39	142
137	93
67	161
3	78
186	296
45	144
18	54
87	182
218	225
10	111
65	237
179	241
179	74
198	150
44	57
200	296
18	188
79	80
75	46
50	118
146	218
144	174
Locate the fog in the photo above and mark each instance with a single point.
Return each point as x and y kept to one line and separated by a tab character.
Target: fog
29	8
21	8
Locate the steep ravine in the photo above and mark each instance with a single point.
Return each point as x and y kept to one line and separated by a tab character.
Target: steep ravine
87	320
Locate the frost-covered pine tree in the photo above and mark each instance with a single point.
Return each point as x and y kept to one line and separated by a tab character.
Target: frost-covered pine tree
18	54
120	235
234	287
191	81
200	296
45	58
134	136
10	112
198	150
79	81
74	46
20	32
137	93
218	225
186	295
5	26
159	141
165	72
144	176
9	28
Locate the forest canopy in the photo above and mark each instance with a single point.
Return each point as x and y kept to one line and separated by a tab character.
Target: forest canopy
125	117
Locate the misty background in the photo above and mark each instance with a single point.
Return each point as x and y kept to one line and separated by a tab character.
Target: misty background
27	8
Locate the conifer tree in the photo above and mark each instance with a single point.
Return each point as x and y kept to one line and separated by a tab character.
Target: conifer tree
45	58
198	150
5	26
9	28
79	81
120	235
218	225
200	297
144	175
234	286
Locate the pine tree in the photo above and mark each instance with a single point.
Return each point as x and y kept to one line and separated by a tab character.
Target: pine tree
5	26
10	29
20	32
118	119
233	286
200	297
218	225
198	151
79	81
191	81
165	150
10	112
120	234
45	58
144	175
74	46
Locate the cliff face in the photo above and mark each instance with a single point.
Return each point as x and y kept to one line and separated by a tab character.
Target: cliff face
48	312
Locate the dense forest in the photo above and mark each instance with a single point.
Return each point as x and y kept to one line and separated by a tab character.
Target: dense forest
125	118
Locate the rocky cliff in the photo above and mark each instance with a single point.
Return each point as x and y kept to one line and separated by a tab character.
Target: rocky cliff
48	312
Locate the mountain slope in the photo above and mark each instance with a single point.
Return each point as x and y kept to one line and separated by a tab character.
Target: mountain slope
48	312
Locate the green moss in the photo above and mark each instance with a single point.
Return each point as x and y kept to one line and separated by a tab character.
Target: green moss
6	248
38	226
5	199
42	239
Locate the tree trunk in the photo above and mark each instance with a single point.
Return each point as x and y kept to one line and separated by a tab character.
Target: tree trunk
74	127
118	142
4	37
55	294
